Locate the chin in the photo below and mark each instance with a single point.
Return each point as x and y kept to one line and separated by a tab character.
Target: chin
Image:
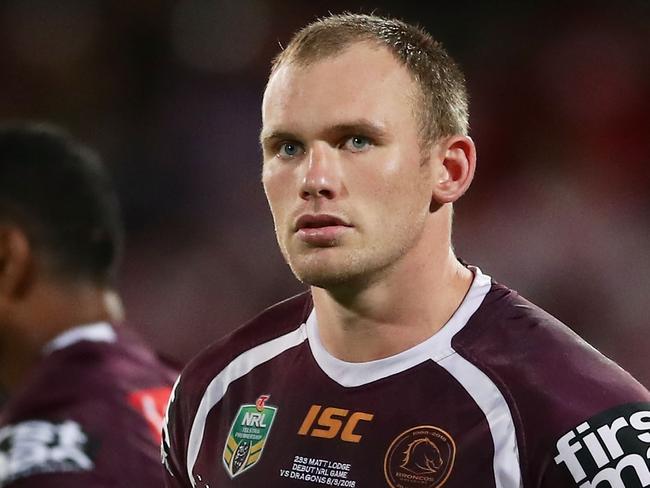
324	280
315	276
326	273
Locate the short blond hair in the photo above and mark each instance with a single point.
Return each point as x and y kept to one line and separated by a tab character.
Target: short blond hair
442	104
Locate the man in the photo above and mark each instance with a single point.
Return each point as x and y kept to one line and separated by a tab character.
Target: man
85	397
401	367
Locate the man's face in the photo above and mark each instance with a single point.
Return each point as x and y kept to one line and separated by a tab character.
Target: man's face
343	172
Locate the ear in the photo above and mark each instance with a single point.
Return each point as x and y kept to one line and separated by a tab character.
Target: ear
456	157
15	261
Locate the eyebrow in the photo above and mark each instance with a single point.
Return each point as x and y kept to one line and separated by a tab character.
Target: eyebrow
267	137
360	126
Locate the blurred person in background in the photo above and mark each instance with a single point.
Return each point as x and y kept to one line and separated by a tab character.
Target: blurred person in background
402	366
84	397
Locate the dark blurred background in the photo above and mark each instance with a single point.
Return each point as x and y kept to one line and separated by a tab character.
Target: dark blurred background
169	92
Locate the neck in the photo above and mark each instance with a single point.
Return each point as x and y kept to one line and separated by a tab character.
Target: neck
406	307
48	311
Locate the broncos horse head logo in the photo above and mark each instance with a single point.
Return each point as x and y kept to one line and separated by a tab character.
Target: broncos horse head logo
422	456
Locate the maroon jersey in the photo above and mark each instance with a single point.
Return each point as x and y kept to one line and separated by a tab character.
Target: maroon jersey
503	396
89	415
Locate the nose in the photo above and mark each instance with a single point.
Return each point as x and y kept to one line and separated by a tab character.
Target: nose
321	178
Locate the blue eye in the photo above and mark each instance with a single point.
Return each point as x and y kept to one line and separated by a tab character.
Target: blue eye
357	143
289	150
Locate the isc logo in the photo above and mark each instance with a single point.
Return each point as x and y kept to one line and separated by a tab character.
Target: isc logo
331	421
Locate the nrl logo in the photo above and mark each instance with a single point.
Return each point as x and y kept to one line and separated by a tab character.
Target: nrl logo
247	436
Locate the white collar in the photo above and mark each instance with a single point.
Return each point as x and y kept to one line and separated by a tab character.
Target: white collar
96	332
434	348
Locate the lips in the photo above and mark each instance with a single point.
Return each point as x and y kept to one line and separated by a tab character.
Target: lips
319	221
321	230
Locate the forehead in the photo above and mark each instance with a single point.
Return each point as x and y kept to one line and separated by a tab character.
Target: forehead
363	82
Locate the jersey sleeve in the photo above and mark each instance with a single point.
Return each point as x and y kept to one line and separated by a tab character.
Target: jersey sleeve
174	441
611	448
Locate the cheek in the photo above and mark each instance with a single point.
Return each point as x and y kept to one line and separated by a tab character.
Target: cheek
277	187
396	185
402	199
